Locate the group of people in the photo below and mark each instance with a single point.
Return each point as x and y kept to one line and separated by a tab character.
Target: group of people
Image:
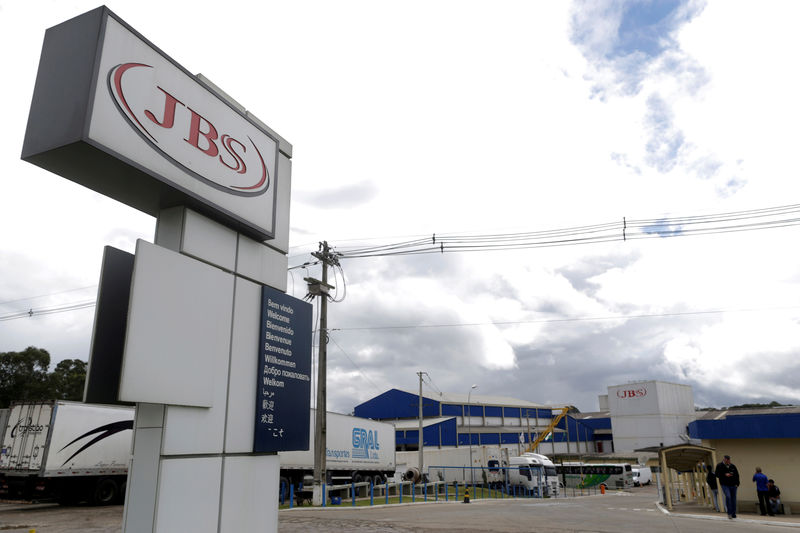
727	475
769	495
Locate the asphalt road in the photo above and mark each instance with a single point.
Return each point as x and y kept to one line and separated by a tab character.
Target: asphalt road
625	512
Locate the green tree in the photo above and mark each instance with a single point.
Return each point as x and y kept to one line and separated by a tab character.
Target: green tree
67	379
23	375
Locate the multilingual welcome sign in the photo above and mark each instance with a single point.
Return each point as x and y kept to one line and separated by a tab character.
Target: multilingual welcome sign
283	391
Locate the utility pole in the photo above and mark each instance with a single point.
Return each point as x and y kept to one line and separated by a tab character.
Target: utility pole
420	374
321	289
528	418
469	407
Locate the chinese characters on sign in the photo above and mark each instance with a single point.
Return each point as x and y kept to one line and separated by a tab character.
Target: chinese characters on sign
283	391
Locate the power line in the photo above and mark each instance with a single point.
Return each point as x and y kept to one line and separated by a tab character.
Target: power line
649	228
747	220
360	371
46	295
431	384
568	319
48	310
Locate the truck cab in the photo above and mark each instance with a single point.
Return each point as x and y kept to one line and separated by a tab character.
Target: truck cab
535	472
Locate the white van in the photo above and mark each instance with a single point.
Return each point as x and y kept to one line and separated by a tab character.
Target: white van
641	475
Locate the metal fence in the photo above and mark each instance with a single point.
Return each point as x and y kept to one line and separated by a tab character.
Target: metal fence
441	484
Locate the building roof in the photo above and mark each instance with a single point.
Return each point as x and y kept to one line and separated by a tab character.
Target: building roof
769	423
716	414
476	399
403	425
399	404
594	414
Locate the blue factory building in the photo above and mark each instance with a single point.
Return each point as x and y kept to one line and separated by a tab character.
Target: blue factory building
455	420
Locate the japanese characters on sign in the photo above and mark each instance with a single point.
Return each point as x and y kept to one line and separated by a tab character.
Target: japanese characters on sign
283	390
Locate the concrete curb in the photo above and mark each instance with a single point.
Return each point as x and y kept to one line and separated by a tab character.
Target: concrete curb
725	518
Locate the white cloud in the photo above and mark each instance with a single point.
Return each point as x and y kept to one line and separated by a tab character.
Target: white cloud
415	118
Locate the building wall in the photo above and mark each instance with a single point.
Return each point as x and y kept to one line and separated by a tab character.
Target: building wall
649	413
778	459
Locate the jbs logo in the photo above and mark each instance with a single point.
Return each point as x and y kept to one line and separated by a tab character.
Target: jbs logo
631	393
230	161
363	442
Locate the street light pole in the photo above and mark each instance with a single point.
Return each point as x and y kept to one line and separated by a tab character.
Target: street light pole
469	422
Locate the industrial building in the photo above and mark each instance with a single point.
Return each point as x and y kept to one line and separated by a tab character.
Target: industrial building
634	422
455	420
632	416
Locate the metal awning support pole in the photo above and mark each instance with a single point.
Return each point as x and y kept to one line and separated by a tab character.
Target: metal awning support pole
666	473
712	467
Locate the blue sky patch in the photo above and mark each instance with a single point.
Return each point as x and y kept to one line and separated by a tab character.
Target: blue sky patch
645	27
662	229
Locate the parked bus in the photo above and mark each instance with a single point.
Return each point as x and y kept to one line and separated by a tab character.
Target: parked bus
583	475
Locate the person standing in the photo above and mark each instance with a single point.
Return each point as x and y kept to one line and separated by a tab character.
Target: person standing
711	479
774	494
728	477
762	490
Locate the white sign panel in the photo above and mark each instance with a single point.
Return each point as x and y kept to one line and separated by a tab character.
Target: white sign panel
112	112
149	111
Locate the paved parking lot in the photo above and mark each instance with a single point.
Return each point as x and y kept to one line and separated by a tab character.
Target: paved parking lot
614	512
617	512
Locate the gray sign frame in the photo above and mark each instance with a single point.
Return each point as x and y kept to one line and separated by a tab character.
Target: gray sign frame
57	137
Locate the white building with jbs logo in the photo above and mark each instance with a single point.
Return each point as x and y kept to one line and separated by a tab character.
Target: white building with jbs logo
649	413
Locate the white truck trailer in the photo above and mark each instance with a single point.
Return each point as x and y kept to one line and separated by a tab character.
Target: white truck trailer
453	464
67	450
357	450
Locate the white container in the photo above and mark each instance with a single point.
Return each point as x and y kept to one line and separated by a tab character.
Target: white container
70	450
357	449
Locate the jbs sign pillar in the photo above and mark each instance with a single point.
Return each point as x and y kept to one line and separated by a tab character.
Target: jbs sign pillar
113	113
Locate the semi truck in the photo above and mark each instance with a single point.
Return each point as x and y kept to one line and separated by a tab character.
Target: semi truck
69	451
534	471
357	450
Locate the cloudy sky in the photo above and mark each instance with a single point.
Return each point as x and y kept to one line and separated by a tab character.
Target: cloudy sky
476	118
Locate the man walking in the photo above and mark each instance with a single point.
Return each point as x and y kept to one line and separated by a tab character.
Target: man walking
762	490
728	478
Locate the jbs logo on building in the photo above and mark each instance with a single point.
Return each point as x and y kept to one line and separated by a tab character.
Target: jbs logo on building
214	150
625	394
364	442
